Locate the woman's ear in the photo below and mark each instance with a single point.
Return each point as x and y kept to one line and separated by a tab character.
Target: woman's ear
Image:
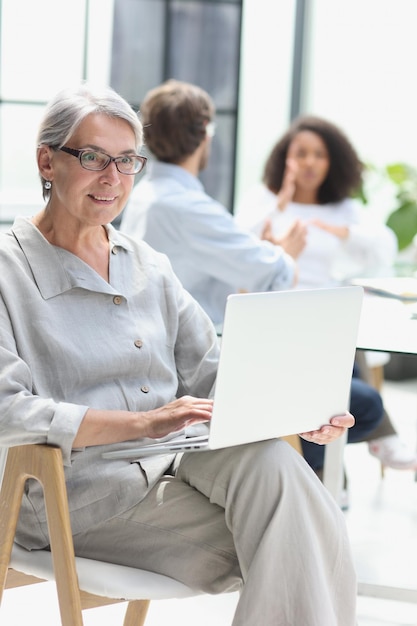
44	159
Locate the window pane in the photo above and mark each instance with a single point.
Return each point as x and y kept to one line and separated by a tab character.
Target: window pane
204	48
134	45
99	41
42	47
218	177
138	47
20	188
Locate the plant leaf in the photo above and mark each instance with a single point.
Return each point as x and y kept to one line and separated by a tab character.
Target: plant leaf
403	221
397	172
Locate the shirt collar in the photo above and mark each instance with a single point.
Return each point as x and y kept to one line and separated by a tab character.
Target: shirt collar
55	270
158	169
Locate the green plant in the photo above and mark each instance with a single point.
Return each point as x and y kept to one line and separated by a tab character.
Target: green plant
402	181
403	219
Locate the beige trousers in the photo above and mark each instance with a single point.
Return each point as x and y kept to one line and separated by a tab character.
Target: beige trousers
254	517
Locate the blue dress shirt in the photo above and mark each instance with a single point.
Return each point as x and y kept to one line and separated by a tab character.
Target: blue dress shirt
212	256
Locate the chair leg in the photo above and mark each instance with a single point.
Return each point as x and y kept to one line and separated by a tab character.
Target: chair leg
44	464
377	377
136	613
10	500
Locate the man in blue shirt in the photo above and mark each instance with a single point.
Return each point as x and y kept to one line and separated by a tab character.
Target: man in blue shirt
170	210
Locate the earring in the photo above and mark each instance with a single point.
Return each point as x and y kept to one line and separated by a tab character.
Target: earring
47	184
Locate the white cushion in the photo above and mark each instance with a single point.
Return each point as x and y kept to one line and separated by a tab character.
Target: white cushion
104	579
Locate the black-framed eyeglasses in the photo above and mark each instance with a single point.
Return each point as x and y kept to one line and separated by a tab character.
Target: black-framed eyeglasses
95	160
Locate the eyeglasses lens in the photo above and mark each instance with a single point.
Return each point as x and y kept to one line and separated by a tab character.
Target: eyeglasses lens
96	161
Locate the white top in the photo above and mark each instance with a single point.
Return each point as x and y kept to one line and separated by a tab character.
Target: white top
370	248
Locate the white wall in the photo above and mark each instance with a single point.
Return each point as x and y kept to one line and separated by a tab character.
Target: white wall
362	73
265	84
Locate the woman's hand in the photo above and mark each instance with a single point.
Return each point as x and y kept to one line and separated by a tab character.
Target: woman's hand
330	432
176	415
287	191
102	427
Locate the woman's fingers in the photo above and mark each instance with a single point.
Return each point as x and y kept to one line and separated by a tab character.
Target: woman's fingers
177	414
329	432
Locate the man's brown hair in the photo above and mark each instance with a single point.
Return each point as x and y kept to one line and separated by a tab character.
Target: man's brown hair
174	117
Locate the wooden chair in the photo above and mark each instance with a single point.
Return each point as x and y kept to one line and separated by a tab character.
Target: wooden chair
81	583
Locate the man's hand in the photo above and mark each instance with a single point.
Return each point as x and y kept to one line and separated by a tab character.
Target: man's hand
330	432
293	241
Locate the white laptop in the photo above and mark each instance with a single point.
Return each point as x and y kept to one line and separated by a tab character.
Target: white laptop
285	367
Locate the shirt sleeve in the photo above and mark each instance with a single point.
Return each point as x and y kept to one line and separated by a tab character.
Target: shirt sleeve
26	417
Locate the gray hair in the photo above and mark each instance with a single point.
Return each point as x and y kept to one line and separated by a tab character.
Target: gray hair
70	107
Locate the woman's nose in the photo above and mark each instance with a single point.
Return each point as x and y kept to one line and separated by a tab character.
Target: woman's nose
111	173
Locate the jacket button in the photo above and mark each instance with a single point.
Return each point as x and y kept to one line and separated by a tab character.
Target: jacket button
144	389
117	299
138	343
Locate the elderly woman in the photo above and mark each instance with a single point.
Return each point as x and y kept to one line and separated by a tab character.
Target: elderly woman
102	347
